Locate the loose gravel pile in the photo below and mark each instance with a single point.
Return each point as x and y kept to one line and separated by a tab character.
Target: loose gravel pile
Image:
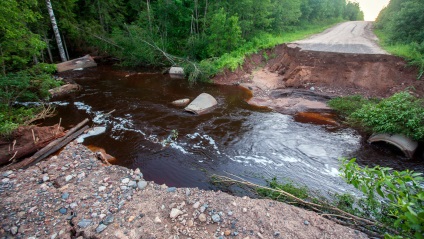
74	195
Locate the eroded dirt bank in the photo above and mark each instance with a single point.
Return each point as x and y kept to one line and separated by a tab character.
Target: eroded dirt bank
296	80
73	195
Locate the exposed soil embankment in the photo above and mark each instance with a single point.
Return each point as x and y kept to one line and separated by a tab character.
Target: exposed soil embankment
320	74
73	195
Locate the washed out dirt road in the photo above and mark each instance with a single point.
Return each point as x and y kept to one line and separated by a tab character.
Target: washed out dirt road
348	37
302	76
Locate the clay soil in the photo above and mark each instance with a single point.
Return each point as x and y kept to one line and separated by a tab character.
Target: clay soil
294	80
24	141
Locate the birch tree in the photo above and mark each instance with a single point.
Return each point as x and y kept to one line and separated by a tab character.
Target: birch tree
56	31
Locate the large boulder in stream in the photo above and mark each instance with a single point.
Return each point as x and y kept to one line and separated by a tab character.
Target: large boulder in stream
203	103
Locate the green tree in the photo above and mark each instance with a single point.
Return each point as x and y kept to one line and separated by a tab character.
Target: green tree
225	33
18	42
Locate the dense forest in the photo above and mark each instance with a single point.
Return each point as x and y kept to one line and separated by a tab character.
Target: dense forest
139	32
401	26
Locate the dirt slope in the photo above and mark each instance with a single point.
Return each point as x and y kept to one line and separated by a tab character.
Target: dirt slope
296	80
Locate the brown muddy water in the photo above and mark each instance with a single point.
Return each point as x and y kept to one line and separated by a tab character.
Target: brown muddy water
255	144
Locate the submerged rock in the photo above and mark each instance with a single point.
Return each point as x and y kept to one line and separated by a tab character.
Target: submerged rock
181	102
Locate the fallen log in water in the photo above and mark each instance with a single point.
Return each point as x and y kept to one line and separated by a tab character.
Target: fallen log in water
51	147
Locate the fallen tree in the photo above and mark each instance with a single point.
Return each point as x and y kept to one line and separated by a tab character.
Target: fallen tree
51	148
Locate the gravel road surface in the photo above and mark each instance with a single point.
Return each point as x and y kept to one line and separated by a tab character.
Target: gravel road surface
348	37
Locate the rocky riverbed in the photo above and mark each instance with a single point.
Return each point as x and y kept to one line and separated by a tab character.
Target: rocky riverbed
74	195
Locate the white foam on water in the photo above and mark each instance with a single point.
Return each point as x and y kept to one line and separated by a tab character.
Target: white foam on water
60	103
82	106
203	142
176	146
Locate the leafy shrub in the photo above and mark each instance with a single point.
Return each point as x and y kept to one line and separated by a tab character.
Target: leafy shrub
11	118
401	113
28	85
400	194
347	105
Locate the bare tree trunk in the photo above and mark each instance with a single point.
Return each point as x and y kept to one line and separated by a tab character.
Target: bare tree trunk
3	65
56	31
66	48
48	48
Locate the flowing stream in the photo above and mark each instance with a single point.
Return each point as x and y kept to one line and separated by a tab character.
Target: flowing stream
254	143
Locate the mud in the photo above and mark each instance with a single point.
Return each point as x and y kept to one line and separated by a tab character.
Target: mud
322	75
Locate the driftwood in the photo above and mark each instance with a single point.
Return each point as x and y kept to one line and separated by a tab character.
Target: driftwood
27	150
51	147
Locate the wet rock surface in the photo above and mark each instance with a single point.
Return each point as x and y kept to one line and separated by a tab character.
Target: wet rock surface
73	195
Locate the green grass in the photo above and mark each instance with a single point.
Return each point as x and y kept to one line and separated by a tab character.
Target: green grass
413	53
235	59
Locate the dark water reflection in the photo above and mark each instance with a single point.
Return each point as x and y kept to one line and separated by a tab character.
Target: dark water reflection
254	143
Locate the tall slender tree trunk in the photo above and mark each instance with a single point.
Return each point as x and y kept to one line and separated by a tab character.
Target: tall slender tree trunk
56	31
3	65
47	41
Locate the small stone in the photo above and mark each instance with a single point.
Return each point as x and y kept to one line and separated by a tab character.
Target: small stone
157	220
123	188
175	213
84	223
132	184
244	210
73	205
190	223
202	217
7	173
93	215
171	189
188	192
277	234
101	216
102	188
108	220
53	236
65	196
131	218
63	210
14	230
125	181
68	178
196	205
260	235
312	88
306	222
46	177
230	213
44	187
216	218
101	228
137	171
141	185
227	232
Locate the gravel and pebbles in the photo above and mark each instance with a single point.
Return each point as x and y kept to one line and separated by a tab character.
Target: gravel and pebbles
74	195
